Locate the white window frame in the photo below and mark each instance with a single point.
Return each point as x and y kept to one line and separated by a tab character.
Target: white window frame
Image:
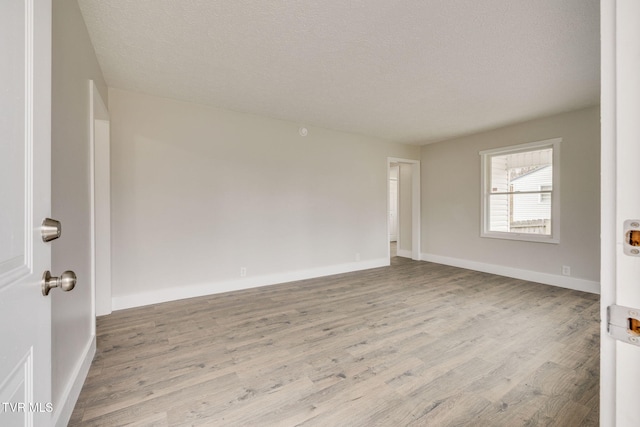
485	158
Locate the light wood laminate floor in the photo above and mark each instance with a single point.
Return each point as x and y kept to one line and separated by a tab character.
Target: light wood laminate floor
414	344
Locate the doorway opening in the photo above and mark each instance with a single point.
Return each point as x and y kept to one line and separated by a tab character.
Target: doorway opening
403	208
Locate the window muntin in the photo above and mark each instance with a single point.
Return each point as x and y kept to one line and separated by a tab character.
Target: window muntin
519	192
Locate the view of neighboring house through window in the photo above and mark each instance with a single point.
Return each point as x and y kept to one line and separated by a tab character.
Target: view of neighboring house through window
520	192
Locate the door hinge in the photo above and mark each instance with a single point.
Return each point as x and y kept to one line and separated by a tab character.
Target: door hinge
623	324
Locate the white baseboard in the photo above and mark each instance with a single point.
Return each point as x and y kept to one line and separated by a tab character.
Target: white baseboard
177	293
62	414
529	275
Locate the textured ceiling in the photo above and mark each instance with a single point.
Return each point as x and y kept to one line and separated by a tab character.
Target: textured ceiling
407	71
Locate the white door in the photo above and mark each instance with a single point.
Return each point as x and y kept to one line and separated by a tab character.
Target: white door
25	191
620	278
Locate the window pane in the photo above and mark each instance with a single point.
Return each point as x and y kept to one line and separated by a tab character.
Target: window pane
520	213
525	171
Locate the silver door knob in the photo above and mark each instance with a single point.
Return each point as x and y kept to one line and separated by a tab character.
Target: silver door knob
50	230
66	282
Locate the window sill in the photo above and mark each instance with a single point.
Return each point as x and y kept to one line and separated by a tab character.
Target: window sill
521	237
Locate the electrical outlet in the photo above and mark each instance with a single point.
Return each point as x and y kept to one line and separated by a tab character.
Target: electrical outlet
243	271
566	270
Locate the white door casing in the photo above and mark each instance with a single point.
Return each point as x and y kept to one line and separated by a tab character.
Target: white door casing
620	276
25	197
393	204
101	203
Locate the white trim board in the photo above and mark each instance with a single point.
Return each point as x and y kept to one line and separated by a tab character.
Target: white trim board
517	273
178	293
99	173
72	391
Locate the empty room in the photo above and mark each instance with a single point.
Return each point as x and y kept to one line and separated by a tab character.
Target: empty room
319	213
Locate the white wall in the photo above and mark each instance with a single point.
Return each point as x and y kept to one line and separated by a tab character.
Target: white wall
199	192
451	203
74	63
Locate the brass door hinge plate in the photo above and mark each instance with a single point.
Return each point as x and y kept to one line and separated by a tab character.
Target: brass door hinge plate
623	323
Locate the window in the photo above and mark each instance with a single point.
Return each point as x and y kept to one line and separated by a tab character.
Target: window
520	197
